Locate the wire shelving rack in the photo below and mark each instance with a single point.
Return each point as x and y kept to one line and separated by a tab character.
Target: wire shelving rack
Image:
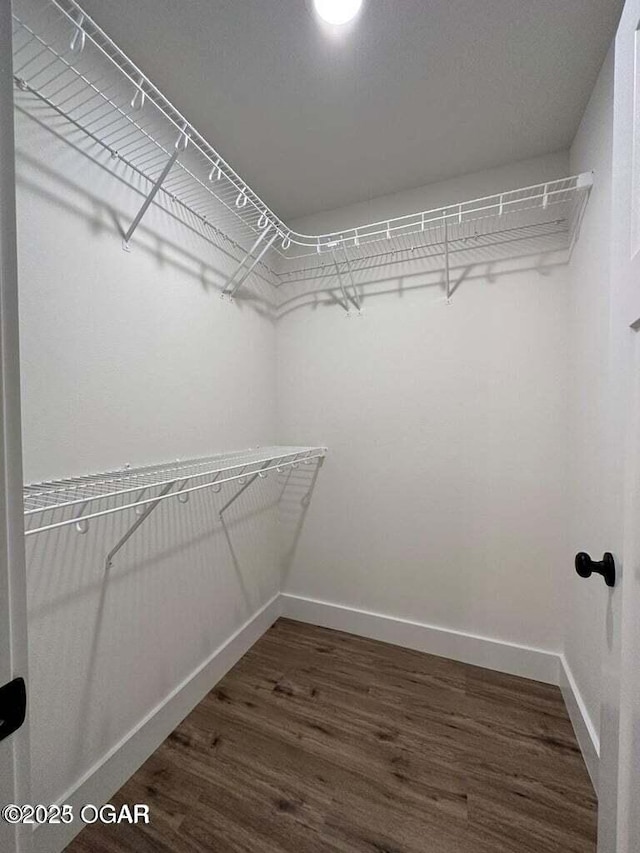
76	498
79	500
66	63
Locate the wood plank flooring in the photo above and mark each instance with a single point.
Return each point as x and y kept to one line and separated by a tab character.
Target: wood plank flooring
322	741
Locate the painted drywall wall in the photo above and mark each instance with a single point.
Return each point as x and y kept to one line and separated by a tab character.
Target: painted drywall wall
588	334
475	185
444	498
130	358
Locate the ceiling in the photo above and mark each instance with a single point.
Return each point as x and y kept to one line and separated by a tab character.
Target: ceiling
416	91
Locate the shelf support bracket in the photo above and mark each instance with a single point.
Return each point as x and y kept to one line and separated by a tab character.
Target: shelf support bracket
180	146
447	275
355	299
242	489
234	283
145	515
345	305
356	296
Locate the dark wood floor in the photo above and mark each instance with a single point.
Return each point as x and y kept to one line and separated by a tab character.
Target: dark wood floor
322	741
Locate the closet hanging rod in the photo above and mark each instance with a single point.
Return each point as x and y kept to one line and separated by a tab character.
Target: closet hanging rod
207	473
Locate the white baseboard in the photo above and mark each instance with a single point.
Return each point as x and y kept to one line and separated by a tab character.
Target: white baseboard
113	770
493	654
586	733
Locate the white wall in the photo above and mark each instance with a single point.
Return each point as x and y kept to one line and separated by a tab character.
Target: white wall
588	335
130	358
443	499
463	188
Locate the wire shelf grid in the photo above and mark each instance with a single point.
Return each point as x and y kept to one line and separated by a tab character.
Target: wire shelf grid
79	499
493	227
64	60
91	83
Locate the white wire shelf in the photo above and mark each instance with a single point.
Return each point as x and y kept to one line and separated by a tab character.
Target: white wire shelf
66	65
78	500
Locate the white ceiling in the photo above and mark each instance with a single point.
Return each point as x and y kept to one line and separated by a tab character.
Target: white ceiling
417	91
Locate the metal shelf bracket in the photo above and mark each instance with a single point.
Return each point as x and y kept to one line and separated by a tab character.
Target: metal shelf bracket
252	479
139	521
242	272
447	273
352	297
181	144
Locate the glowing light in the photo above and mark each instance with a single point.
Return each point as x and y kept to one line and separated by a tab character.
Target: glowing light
337	12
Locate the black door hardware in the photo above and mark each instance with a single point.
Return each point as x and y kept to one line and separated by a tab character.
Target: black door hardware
585	567
13	706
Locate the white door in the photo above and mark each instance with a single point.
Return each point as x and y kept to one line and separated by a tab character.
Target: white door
14	750
619	774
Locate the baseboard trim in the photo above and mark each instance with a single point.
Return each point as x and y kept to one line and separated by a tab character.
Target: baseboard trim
514	659
113	770
586	733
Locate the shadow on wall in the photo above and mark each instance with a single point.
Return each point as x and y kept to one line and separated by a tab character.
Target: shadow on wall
169	232
295	499
397	276
177	589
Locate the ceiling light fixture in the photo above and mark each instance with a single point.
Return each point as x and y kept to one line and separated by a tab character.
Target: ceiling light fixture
337	12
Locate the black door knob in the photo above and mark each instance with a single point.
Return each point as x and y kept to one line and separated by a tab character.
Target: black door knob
585	567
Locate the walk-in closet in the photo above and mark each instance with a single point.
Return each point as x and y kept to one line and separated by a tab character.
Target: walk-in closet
320	468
